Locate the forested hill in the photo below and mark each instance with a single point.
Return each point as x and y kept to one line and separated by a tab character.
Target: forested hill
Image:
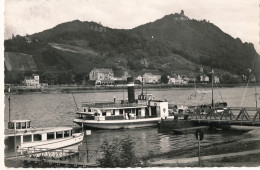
172	44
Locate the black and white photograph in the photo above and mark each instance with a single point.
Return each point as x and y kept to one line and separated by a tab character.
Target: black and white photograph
130	83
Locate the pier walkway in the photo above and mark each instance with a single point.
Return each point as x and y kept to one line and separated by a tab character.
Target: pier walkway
226	116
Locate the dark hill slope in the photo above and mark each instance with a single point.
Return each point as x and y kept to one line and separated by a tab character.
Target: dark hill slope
173	44
201	42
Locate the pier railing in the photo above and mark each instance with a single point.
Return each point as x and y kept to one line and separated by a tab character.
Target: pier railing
58	157
229	115
112	105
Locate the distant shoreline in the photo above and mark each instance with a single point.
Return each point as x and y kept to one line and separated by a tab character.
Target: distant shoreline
82	89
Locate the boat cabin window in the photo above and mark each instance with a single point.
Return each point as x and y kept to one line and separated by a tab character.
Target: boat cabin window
79	116
58	135
84	110
10	125
66	133
18	125
27	138
37	137
50	135
104	114
28	124
121	111
23	125
141	97
113	112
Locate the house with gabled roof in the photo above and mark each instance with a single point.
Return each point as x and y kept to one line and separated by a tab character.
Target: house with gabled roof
102	76
151	78
33	80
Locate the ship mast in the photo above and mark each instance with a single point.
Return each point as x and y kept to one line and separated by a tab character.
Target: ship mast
212	77
142	85
9	102
255	95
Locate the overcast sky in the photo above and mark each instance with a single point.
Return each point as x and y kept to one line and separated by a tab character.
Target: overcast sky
239	18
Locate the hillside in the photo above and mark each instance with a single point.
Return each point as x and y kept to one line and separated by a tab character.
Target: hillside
172	44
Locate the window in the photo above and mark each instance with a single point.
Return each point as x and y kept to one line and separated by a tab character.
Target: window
28	124
66	133
50	135
24	125
18	126
121	111
27	138
58	135
10	125
37	137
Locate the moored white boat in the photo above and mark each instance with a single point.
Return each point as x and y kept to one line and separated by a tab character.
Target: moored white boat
143	112
20	136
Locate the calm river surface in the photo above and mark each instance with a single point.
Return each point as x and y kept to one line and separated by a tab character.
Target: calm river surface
49	110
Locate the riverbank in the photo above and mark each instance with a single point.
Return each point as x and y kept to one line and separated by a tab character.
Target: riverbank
238	153
83	89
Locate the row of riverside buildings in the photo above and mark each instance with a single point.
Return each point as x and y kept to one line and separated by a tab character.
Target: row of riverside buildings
103	76
106	77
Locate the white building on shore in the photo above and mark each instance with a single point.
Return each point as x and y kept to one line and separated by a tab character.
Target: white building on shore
33	80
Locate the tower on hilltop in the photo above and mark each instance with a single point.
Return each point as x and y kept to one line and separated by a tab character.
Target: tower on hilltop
182	12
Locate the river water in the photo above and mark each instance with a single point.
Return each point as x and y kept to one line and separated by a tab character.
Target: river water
58	109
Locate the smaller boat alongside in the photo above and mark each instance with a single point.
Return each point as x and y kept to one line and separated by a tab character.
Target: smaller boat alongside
20	136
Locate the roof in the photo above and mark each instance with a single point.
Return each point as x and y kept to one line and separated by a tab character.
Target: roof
103	70
21	121
30	131
152	74
28	77
119	106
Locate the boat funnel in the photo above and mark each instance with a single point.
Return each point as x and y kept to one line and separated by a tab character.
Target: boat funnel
131	90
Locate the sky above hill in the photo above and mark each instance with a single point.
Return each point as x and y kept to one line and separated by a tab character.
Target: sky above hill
239	18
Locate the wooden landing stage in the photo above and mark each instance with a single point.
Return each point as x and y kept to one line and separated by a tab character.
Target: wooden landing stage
226	116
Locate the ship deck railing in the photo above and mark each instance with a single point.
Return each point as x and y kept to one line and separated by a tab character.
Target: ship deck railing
111	104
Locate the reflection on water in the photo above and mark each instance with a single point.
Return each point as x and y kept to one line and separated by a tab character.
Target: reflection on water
164	143
49	110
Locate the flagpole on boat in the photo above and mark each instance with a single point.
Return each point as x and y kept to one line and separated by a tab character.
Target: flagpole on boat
9	102
255	95
212	77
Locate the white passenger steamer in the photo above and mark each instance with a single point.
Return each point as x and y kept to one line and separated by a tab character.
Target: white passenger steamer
143	112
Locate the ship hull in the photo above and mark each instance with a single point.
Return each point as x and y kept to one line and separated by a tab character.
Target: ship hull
56	143
118	124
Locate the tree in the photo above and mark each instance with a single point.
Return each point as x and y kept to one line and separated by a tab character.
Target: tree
164	79
118	153
79	78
